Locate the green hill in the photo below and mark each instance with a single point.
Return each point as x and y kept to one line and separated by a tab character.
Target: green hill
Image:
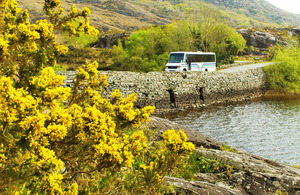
116	15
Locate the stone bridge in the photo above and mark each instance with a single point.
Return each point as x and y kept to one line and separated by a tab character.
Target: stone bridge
181	90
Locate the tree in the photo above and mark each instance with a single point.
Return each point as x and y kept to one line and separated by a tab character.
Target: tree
143	51
56	140
212	36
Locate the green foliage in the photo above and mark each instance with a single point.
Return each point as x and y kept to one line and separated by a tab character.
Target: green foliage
273	52
213	36
147	50
297	166
198	164
81	41
225	147
61	67
285	74
280	192
144	51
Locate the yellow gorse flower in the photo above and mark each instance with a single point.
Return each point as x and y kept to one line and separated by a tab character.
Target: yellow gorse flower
177	141
57	140
3	48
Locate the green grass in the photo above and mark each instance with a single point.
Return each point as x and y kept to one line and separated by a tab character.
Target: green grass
199	164
225	147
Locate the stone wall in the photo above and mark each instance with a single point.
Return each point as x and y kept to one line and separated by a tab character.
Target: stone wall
181	90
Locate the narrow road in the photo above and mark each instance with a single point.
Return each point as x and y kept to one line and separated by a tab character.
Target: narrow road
245	67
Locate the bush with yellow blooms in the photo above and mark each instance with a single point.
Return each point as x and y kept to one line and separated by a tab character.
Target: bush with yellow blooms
57	140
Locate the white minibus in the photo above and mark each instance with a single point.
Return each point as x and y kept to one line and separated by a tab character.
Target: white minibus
191	61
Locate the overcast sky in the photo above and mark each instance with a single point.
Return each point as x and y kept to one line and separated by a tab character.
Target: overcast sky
292	6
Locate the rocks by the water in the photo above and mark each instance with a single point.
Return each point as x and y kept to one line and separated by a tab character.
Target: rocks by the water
185	187
197	139
252	174
255	174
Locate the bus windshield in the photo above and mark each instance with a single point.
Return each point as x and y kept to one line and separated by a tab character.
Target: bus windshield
176	58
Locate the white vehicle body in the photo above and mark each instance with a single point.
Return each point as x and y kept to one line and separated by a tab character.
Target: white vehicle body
191	61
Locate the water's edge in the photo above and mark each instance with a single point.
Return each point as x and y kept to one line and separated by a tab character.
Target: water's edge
265	127
251	174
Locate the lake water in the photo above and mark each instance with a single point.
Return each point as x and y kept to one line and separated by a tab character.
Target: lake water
269	128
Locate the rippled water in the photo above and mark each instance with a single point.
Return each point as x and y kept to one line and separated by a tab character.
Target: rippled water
267	128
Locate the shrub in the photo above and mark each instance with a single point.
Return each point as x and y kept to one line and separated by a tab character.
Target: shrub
284	75
57	140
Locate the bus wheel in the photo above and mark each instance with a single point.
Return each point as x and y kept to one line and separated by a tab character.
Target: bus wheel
206	70
184	70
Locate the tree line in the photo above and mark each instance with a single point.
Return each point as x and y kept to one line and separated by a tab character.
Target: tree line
148	49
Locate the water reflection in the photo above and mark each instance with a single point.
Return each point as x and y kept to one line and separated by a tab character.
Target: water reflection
269	128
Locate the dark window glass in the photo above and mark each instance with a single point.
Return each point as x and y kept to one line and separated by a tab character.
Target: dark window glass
176	58
201	58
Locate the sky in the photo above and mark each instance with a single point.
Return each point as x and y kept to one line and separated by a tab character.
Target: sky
292	6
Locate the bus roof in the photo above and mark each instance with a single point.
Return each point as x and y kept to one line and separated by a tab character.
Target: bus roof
191	52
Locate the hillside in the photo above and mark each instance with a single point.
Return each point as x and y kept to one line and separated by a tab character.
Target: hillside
259	10
107	15
129	15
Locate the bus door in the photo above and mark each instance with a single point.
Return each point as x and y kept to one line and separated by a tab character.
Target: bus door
189	62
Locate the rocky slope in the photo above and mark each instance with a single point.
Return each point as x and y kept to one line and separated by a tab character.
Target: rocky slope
259	41
260	10
252	174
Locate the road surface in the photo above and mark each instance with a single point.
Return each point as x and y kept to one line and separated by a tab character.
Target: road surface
245	67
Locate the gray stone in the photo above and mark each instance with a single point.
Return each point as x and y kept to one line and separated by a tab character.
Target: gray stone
169	91
252	174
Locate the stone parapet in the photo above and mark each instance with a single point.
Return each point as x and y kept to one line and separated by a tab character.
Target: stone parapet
181	90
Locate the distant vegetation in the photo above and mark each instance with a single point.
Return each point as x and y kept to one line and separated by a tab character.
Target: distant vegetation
148	50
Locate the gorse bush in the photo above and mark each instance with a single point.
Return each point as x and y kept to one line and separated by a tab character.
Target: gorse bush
285	74
56	140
